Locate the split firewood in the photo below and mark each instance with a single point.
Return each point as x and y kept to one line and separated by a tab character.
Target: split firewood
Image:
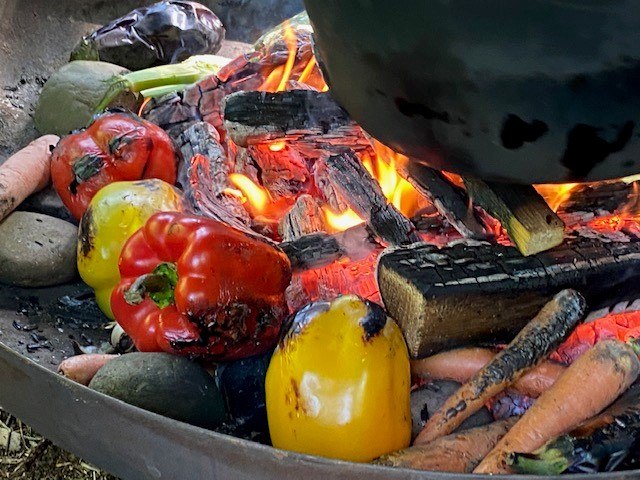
203	175
304	217
450	201
461	295
363	194
299	116
283	171
531	225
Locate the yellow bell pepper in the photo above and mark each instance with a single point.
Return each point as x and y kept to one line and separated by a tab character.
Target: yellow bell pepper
115	213
338	384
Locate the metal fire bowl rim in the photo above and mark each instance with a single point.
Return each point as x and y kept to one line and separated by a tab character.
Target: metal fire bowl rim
23	379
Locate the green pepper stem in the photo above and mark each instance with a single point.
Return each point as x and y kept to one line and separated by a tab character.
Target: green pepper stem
159	285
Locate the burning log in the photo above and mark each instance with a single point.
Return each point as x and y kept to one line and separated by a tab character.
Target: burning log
302	116
531	225
609	196
450	201
283	170
363	194
304	217
457	295
203	175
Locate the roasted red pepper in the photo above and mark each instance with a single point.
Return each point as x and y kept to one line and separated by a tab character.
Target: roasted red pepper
623	326
116	146
193	286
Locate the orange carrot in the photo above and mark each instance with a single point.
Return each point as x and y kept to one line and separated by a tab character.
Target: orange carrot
457	453
462	364
25	172
531	346
82	368
587	387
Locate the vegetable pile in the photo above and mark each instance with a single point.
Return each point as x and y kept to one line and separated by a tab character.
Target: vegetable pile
202	329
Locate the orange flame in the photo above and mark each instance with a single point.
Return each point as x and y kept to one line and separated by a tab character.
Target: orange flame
256	196
277	146
303	70
341	221
556	195
383	167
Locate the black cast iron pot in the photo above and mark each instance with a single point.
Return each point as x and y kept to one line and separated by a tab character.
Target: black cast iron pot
522	91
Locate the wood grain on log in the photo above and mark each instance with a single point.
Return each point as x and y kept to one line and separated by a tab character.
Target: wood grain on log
531	225
302	116
443	298
363	194
304	217
450	201
203	176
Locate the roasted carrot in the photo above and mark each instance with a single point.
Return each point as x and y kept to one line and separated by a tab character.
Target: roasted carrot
25	172
82	368
534	342
599	444
458	452
462	364
588	386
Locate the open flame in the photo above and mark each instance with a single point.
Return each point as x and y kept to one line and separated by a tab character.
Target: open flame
300	67
556	195
250	192
382	165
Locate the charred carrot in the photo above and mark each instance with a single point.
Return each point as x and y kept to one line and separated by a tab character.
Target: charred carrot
82	368
462	364
599	444
534	342
588	386
25	172
457	453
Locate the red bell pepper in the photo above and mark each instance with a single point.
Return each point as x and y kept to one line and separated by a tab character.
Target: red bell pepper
116	146
623	326
197	287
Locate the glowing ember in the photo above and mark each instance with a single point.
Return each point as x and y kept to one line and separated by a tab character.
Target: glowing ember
253	194
341	221
277	146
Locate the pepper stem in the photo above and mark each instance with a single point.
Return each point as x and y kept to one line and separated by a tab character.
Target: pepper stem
159	285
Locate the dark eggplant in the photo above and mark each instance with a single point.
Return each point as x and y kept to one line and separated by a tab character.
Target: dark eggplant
600	445
242	386
165	32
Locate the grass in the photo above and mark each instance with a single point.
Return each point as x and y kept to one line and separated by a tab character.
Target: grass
26	455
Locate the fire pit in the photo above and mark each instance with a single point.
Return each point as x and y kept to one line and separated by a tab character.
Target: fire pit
268	151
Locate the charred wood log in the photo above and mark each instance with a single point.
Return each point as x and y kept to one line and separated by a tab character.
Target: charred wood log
609	196
307	117
450	201
462	294
203	176
363	194
304	217
326	188
531	225
282	172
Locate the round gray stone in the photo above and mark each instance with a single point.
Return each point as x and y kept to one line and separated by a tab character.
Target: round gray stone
37	250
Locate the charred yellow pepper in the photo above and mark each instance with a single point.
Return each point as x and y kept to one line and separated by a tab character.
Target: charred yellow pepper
338	384
115	213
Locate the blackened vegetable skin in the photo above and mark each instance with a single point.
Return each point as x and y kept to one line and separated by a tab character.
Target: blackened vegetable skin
165	32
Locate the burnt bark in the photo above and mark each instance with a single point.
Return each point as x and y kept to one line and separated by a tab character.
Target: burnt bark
203	176
450	201
363	194
312	119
